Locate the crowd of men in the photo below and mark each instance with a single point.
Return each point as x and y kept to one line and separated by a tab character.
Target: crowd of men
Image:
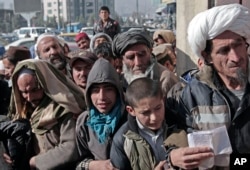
117	103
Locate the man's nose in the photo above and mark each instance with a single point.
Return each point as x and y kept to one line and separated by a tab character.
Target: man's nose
28	97
138	61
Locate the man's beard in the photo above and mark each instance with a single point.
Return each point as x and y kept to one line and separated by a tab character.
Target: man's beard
60	64
128	72
241	78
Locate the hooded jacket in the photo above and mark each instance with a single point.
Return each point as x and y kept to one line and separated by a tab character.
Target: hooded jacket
87	141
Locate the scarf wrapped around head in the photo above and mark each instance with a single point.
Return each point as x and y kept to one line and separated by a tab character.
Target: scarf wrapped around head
126	39
167	35
212	22
61	95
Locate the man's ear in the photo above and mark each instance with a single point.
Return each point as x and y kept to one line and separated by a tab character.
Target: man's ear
206	57
130	110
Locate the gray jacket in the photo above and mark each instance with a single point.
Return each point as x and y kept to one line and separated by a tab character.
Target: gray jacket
87	141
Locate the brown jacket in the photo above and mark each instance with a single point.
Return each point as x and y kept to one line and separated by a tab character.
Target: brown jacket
56	149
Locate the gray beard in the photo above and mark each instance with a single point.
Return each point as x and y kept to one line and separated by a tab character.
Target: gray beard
242	77
59	65
129	76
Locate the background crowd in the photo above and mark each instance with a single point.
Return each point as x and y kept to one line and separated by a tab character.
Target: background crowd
117	102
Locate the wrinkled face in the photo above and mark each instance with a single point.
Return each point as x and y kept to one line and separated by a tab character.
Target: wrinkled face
49	49
99	41
229	56
83	43
103	97
80	71
8	68
149	111
104	15
29	89
137	59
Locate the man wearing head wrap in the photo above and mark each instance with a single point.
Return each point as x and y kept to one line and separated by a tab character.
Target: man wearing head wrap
219	94
51	101
50	48
164	36
135	49
98	39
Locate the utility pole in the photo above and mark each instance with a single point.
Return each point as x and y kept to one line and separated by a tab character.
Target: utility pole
70	29
58	15
137	9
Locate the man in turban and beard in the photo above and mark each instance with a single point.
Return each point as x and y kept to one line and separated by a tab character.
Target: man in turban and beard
135	49
50	48
219	93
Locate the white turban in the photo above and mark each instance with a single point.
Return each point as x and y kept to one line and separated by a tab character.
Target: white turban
44	35
212	22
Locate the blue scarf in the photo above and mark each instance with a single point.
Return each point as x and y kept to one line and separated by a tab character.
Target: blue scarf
104	124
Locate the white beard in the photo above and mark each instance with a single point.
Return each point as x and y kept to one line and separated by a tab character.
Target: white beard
129	76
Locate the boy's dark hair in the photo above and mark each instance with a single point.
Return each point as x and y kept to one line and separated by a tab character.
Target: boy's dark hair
104	8
142	88
105	50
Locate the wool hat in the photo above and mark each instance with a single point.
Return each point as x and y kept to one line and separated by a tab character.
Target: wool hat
17	53
81	54
162	51
81	35
125	40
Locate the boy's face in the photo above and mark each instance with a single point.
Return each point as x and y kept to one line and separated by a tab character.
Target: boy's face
149	111
104	15
80	72
103	97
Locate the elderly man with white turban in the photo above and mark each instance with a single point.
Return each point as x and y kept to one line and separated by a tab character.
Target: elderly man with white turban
49	47
219	94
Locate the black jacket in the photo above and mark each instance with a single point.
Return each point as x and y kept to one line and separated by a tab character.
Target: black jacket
16	136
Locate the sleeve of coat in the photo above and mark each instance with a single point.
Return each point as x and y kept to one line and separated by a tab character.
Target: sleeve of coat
168	79
82	138
118	156
65	153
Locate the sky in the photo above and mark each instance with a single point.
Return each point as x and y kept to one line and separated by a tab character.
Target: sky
122	7
6	4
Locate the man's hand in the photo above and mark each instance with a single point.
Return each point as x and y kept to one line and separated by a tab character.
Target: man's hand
160	165
7	158
101	165
190	158
32	163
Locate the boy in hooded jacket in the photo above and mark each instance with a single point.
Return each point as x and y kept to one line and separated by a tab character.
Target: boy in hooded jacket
105	114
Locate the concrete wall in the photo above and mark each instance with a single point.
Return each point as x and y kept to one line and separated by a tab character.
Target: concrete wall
186	10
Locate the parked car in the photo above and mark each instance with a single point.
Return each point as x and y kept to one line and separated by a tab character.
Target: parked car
9	38
69	37
26	42
3	42
31	31
149	30
88	30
